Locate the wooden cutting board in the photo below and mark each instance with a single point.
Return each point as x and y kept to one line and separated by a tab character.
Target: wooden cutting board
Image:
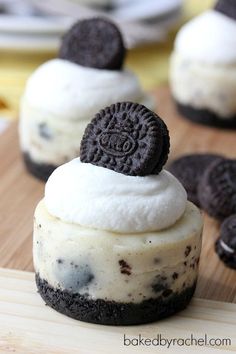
19	194
27	326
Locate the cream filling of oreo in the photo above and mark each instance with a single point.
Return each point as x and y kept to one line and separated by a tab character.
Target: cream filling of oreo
62	97
226	247
113	266
100	198
204	86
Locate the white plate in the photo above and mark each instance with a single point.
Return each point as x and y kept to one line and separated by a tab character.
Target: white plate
34	24
43	33
29	43
145	9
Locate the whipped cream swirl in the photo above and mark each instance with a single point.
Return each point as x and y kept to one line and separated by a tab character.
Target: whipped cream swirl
74	92
100	198
210	37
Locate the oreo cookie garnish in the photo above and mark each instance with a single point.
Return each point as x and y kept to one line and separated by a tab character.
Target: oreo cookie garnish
217	189
95	43
188	169
226	244
227	7
127	138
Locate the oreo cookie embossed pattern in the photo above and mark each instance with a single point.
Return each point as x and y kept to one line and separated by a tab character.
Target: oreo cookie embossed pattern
127	138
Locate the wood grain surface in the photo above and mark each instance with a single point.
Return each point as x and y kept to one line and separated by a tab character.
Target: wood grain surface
19	194
27	326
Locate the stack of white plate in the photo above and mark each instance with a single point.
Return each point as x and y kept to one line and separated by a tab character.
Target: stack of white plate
34	25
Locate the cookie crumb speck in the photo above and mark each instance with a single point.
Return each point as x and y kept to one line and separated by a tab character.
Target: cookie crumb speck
187	251
125	268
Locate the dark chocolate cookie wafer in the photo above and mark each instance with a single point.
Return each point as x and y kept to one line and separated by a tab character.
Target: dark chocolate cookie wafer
227	7
127	138
189	169
226	244
95	43
217	189
165	146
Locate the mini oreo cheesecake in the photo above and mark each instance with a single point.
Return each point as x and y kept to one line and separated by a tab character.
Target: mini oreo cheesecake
115	240
63	95
203	67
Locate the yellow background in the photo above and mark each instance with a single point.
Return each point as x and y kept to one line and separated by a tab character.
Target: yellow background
149	62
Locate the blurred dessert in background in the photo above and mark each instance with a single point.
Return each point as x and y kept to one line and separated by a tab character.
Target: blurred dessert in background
62	95
203	67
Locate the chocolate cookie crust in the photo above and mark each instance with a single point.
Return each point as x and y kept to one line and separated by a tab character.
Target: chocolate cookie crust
104	312
40	171
206	117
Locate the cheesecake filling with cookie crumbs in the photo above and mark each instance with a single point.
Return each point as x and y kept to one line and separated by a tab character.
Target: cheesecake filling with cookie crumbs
114	226
113	266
